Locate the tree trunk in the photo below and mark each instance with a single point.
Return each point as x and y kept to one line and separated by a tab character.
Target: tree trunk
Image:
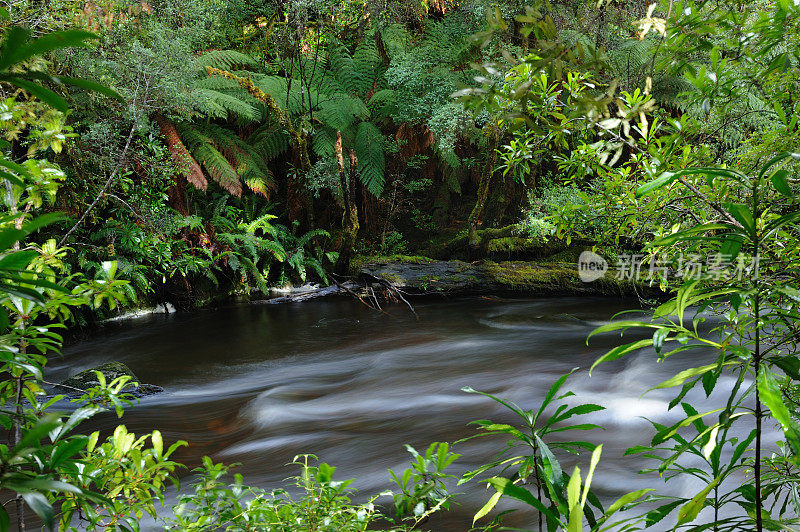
350	215
483	189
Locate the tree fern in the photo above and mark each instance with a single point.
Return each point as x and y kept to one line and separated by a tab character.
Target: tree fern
269	140
249	164
371	159
215	164
226	60
322	142
340	111
396	39
343	67
367	65
217	104
288	97
383	103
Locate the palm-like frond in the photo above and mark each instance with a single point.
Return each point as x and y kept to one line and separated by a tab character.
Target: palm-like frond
248	162
383	103
205	152
322	142
226	59
216	104
371	160
269	141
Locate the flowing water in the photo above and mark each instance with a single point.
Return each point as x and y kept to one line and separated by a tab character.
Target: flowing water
260	384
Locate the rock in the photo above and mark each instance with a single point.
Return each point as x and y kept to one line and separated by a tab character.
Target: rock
527	278
111	370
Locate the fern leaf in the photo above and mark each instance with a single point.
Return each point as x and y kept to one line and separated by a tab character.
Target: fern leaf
180	154
383	103
217	166
367	64
226	60
371	160
322	142
221	105
396	39
269	140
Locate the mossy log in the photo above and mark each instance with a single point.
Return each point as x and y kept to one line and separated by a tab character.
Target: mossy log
503	243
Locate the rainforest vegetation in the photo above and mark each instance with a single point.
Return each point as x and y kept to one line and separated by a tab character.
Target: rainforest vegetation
188	151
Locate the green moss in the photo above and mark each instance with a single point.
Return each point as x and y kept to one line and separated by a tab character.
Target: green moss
390	277
531	275
514	244
87	378
357	262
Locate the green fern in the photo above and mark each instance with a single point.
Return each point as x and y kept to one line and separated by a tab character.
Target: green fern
203	149
367	65
226	60
396	39
371	160
383	103
269	141
323	141
217	104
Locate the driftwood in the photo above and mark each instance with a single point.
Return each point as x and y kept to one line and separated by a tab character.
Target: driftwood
362	288
305	296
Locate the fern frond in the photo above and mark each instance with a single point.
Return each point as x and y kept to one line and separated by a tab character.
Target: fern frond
383	103
221	105
247	160
269	140
291	98
226	60
367	65
396	39
322	142
371	160
343	67
262	223
204	151
307	237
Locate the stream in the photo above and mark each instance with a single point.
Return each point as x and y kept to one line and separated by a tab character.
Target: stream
259	384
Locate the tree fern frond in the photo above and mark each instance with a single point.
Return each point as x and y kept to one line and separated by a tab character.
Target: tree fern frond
396	39
383	103
343	67
226	60
367	65
322	142
269	140
248	161
216	165
221	105
216	83
339	111
371	161
291	98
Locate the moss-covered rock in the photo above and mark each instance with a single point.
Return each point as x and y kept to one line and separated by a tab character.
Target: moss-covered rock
110	370
512	277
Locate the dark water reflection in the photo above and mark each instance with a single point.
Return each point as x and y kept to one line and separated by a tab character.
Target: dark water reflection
259	384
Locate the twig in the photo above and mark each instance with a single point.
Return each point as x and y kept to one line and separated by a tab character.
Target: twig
717	207
105	187
67	386
352	293
393	289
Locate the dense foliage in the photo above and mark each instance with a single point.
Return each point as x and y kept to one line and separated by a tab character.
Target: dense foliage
183	151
